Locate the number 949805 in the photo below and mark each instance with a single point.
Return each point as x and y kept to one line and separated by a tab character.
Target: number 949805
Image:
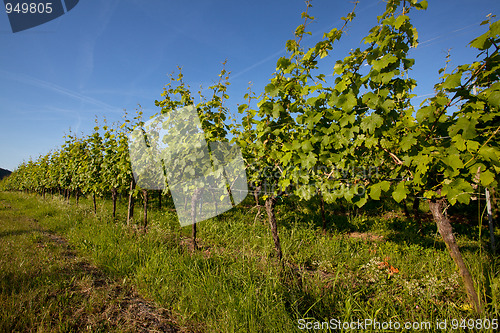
31	8
474	324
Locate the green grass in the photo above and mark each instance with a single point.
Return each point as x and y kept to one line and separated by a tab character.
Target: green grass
384	271
45	286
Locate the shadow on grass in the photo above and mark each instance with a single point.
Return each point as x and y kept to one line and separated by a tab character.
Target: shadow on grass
386	219
16	232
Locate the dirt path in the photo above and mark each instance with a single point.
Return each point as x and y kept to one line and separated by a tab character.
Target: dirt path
46	287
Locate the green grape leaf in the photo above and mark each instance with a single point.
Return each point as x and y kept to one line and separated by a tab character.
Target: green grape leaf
487	177
400	192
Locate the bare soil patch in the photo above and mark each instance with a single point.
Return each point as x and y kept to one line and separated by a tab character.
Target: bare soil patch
109	302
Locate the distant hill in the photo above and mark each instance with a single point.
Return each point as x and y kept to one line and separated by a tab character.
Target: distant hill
4	173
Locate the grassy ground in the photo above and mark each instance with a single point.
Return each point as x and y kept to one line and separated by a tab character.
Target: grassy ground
46	287
372	265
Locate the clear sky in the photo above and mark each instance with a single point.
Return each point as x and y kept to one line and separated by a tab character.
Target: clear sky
108	55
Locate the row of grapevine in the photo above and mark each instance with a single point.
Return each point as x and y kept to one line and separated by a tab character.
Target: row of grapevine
350	135
94	165
99	164
309	130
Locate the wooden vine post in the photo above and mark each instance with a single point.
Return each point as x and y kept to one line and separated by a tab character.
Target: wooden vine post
273	226
437	207
130	211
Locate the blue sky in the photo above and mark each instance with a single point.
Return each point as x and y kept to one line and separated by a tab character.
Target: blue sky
106	56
